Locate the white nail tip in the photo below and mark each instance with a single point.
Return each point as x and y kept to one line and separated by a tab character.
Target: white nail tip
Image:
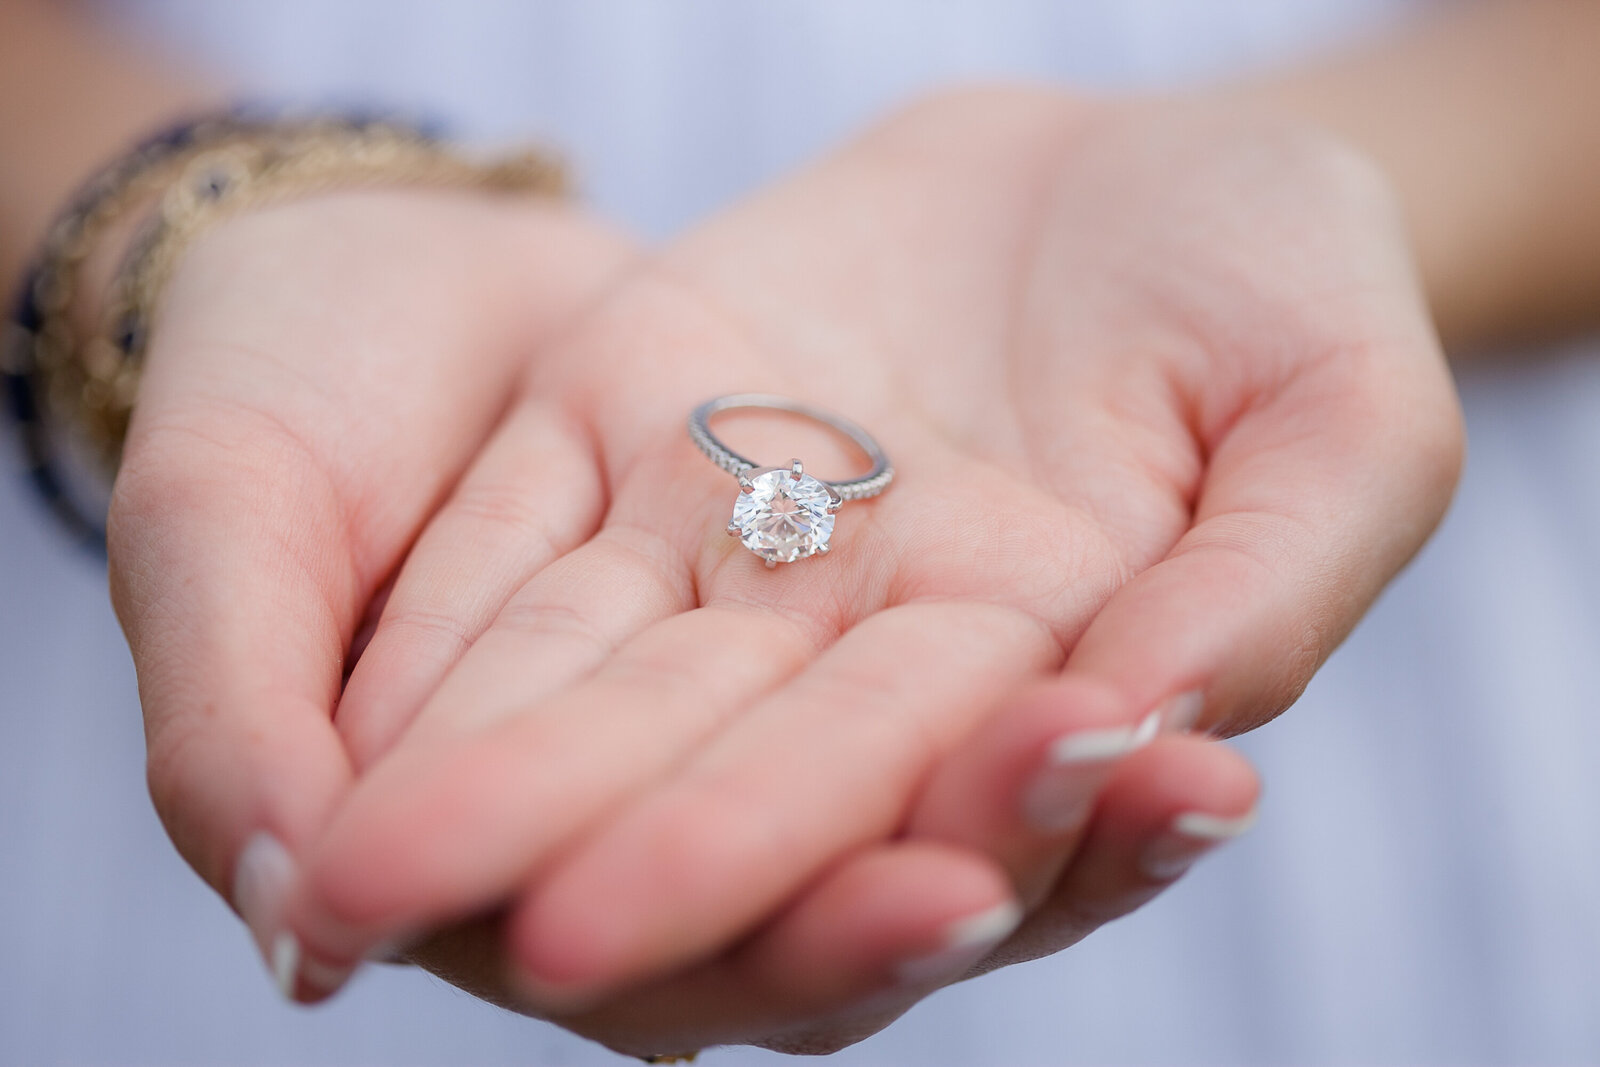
285	963
1097	746
985	928
1188	837
1199	824
966	941
261	878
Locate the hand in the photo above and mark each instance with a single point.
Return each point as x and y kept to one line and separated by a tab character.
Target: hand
286	451
1167	411
319	376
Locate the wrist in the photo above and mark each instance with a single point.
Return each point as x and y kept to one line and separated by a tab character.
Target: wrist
75	350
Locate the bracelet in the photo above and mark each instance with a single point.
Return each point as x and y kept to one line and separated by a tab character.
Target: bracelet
37	353
180	183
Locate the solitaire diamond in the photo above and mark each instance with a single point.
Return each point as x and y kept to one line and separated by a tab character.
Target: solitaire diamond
783	515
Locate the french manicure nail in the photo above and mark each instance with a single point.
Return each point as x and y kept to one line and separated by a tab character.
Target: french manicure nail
1190	836
285	963
261	881
1061	795
965	942
1183	711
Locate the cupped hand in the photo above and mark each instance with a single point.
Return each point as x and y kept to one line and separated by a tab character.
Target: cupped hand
319	375
1167	413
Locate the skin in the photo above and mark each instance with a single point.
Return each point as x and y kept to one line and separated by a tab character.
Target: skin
1155	434
263	401
227	436
1223	426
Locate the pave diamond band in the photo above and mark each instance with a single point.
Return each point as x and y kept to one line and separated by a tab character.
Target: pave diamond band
870	484
782	513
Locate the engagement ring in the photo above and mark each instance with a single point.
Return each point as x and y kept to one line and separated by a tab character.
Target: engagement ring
782	513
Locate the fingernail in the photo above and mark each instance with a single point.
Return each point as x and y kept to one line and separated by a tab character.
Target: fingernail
296	972
261	881
1182	711
324	978
1061	795
285	963
965	942
1190	836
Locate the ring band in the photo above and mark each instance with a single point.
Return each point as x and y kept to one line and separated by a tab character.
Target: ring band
870	484
783	514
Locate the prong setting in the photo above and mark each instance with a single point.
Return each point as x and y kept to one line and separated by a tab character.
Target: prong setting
782	514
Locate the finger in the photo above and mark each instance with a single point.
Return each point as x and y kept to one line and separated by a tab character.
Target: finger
898	920
864	942
533	495
440	829
1022	788
1281	441
258	509
580	612
823	765
566	620
1310	504
1165	807
222	531
555	630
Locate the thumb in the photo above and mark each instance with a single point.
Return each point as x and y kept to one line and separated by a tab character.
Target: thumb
232	574
1311	503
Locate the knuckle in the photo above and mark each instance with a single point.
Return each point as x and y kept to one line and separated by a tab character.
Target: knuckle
654	671
504	507
545	619
419	627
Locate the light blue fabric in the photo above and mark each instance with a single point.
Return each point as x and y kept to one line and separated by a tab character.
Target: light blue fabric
1423	885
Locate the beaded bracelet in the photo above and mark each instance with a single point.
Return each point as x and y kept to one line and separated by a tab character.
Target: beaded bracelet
179	183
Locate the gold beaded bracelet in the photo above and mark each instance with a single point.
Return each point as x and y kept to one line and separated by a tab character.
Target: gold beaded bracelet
180	183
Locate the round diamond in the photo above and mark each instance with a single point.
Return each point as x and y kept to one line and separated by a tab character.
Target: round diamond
783	517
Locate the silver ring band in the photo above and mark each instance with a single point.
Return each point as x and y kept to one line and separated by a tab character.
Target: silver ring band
870	484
